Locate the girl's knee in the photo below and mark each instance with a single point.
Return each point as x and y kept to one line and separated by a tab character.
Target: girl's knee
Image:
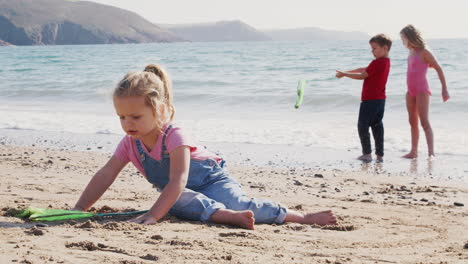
413	120
413	123
425	124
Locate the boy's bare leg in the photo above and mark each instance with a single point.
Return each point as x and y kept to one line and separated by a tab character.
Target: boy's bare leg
365	157
244	219
320	218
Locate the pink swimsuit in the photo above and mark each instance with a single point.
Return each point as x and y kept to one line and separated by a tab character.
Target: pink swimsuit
416	75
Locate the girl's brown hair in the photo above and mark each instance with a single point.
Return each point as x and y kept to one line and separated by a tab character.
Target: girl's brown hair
414	37
155	85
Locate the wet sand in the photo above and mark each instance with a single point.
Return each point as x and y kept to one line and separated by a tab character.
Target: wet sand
384	217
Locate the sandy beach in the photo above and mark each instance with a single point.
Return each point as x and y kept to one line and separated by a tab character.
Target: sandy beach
384	217
235	78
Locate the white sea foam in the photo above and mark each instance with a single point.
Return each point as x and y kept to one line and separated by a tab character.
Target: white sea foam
233	93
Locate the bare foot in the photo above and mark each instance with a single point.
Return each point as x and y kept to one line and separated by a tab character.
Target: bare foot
379	159
365	158
320	218
244	219
411	155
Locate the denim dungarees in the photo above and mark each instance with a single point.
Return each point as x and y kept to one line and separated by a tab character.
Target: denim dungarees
208	189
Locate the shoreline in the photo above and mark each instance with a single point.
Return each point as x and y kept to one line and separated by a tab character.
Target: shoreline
384	218
443	168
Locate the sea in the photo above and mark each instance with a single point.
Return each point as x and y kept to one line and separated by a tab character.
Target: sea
238	99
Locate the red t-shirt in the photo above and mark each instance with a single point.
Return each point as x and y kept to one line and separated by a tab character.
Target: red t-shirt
373	87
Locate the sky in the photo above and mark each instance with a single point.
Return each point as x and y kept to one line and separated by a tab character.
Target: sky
435	18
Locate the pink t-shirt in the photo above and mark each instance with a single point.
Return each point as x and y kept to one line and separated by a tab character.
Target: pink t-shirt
127	151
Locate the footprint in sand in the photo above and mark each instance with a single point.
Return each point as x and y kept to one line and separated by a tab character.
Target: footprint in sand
35	231
240	234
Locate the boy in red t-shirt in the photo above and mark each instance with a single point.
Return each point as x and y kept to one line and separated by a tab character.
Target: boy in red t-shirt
373	96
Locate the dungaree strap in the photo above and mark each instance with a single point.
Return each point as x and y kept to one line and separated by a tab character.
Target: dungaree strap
164	148
140	150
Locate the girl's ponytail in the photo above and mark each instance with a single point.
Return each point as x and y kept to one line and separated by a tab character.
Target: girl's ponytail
164	76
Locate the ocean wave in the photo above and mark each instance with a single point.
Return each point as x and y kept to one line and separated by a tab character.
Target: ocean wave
44	57
23	70
68	88
17	127
106	132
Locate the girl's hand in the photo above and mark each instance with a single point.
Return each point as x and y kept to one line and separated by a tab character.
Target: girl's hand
339	74
145	219
445	95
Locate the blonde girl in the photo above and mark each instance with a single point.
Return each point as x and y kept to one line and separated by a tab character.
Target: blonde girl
194	183
418	94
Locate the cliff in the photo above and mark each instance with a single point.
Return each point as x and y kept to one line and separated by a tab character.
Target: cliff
54	22
219	31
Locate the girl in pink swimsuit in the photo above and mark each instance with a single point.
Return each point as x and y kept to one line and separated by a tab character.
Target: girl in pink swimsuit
418	95
416	74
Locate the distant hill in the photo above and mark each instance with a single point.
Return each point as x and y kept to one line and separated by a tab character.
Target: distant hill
313	33
219	31
49	22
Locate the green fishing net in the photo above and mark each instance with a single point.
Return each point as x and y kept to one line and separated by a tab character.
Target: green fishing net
48	215
41	214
